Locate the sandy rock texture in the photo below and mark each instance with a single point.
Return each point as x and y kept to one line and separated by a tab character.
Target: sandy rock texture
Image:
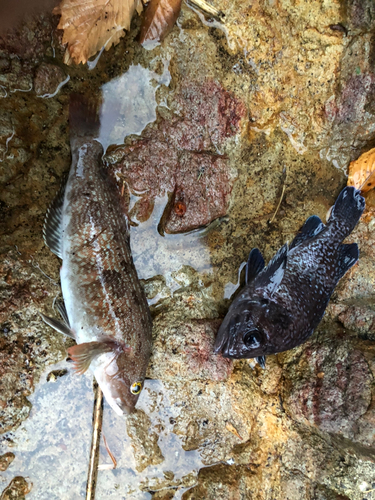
212	129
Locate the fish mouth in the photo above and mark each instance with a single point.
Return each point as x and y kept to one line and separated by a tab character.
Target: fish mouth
224	343
222	338
120	407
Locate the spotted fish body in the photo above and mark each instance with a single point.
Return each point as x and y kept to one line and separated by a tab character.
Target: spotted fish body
282	304
106	307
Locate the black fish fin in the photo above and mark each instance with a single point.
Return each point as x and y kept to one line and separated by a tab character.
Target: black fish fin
347	210
255	264
84	120
58	325
60	306
261	360
52	229
311	228
270	278
348	256
83	354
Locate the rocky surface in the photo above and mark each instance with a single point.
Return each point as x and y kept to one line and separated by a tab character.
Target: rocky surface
218	123
181	159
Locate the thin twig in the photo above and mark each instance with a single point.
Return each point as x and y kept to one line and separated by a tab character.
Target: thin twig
110	453
207	8
97	419
281	197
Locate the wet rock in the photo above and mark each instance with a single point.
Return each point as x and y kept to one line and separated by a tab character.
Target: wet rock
353	301
23	345
222	482
269	378
24	46
210	115
164	495
159	488
144	442
326	462
6	460
47	79
322	493
17	489
332	389
203	186
180	158
185	351
28	41
277	73
361	14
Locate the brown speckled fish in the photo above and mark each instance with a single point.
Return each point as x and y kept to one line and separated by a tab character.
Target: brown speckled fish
106	309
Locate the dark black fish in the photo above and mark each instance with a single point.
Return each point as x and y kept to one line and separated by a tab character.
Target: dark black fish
282	304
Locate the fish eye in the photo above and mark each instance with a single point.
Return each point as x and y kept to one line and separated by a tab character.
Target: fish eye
136	388
251	339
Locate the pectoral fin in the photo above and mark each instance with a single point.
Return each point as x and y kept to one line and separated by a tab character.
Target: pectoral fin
83	354
58	325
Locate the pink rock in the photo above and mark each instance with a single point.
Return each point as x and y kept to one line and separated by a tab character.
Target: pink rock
330	388
186	352
181	158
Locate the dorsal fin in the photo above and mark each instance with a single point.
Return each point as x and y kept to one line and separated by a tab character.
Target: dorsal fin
255	264
271	277
348	256
311	228
52	229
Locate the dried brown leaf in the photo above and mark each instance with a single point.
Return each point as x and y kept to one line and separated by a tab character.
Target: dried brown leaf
160	16
362	172
92	24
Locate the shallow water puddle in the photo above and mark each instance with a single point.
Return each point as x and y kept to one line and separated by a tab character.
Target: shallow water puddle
155	254
129	103
51	447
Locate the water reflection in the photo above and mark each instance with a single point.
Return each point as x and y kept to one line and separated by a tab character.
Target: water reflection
52	446
129	103
155	254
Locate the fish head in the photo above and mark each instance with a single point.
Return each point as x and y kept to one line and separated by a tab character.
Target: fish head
121	378
251	328
239	335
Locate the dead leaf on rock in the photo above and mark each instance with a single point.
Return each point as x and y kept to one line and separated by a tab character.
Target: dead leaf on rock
160	16
92	24
362	172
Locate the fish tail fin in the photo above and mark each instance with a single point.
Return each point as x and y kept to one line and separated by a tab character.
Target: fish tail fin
84	120
347	210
